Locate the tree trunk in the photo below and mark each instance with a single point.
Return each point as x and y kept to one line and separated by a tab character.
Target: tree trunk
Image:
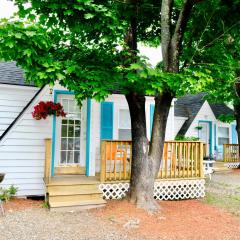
145	163
237	116
162	106
142	172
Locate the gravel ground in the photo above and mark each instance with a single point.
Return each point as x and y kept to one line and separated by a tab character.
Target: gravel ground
119	220
41	224
227	183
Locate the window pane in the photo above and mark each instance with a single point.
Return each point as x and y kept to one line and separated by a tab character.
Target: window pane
124	134
76	157
71	106
63	157
70	130
77	144
64	121
124	119
77	131
222	141
76	108
70	143
64	130
70	156
64	144
77	122
65	104
223	132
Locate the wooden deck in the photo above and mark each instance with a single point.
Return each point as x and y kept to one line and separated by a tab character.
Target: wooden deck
231	153
180	160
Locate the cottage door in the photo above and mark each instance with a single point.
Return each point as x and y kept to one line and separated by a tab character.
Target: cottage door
69	138
204	134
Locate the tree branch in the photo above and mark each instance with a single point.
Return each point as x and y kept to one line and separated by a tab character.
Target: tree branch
166	10
176	40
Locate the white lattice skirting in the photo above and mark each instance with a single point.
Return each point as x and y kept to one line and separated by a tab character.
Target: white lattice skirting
232	165
163	190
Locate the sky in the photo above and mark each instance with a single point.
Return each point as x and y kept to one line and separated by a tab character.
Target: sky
7	9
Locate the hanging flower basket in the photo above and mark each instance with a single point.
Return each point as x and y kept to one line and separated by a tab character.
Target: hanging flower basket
44	109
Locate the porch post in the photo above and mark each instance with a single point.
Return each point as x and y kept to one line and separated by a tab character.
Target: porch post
88	138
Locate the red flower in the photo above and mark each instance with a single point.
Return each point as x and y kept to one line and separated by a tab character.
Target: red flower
44	109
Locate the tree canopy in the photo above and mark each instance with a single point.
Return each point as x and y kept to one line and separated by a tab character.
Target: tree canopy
82	44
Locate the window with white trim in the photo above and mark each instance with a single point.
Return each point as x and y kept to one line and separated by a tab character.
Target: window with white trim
223	135
124	125
70	133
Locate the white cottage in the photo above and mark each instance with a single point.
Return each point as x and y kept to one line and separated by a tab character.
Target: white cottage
196	117
79	159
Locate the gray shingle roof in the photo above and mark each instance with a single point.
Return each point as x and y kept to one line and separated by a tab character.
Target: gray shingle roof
11	74
189	106
219	109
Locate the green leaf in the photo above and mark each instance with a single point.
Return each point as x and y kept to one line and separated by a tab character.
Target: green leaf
88	16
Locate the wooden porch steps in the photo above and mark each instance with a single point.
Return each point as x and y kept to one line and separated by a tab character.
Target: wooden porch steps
74	193
219	166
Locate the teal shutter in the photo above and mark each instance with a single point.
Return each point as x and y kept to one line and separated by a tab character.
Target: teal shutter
106	121
152	106
215	137
234	135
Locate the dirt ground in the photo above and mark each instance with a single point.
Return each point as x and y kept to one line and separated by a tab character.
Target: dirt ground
223	191
178	220
189	219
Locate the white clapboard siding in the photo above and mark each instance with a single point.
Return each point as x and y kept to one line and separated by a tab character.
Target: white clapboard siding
6	120
32	122
21	163
9	181
32	129
14	109
31	136
23	142
23	169
8	115
33	186
30	175
12	103
21	155
33	192
13	99
22	150
28	149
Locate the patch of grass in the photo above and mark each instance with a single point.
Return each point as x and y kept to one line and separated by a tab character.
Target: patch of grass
45	205
229	203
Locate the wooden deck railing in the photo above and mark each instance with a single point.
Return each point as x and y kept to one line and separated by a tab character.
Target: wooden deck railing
115	160
180	160
231	153
47	166
205	150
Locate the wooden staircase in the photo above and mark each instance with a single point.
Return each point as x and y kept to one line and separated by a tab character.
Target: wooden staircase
74	192
219	166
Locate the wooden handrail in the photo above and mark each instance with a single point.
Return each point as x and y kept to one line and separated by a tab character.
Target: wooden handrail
181	159
231	152
47	166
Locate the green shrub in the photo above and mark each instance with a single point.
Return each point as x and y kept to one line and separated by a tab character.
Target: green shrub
7	193
180	137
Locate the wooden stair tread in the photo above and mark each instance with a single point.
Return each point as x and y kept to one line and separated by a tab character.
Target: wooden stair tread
65	192
63	181
76	203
